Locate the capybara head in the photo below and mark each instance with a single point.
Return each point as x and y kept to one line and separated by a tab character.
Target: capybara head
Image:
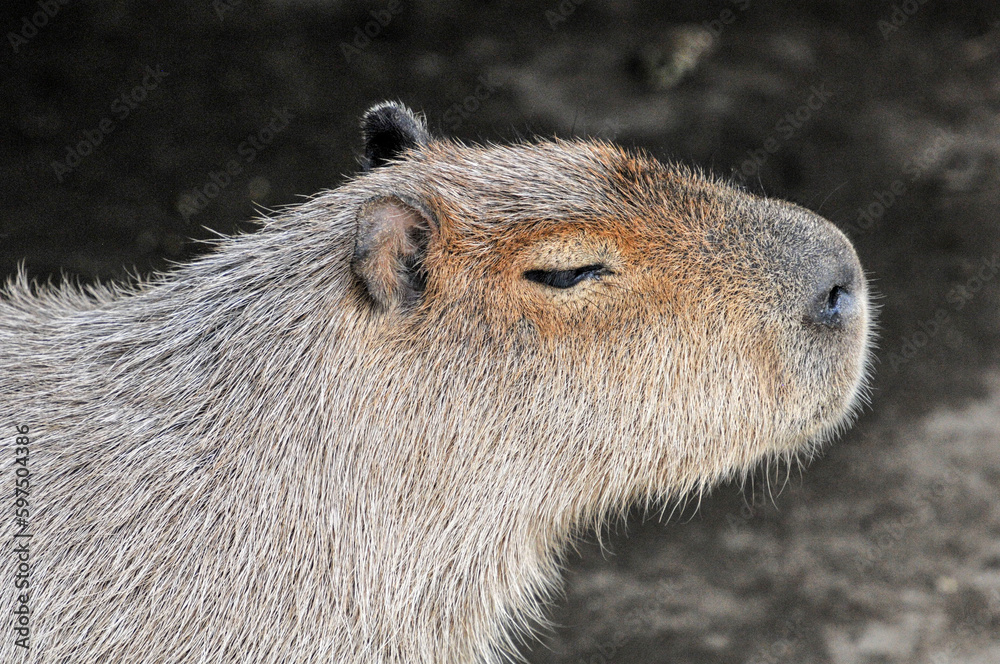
651	328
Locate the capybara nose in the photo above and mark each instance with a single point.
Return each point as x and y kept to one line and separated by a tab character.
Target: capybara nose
837	284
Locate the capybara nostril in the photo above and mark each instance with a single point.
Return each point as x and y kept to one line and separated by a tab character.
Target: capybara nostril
832	307
836	284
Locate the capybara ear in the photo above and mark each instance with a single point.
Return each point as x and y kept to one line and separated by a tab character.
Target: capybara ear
389	249
389	130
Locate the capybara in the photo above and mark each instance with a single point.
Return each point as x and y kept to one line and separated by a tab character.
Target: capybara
369	431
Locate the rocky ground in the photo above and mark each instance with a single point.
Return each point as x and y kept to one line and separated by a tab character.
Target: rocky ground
119	121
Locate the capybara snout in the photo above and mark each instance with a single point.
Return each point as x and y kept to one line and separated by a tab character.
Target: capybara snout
796	288
820	301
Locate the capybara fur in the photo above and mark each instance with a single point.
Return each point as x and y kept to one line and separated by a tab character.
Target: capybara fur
369	431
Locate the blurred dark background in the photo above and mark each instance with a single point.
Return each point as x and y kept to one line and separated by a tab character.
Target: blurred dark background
128	130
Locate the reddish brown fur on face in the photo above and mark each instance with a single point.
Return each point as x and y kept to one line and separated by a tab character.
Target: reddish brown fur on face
367	432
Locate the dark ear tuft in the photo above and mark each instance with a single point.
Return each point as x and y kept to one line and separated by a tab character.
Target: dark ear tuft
390	129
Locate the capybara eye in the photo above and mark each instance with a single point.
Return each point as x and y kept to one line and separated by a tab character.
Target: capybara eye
565	278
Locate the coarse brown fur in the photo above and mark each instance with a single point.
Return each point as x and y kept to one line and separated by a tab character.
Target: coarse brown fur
362	435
